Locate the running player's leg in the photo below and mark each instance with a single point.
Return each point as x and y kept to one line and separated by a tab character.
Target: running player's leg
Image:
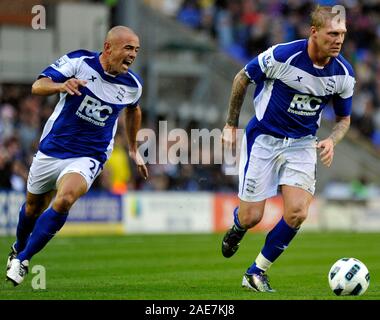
70	187
296	205
246	216
30	210
258	181
297	180
254	278
42	177
75	179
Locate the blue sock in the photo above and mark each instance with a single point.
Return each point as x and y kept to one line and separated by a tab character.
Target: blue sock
46	227
25	226
237	226
276	242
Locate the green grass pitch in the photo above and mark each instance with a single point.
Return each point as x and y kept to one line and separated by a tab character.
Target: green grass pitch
190	267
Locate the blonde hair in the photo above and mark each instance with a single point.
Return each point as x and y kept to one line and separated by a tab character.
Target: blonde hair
320	15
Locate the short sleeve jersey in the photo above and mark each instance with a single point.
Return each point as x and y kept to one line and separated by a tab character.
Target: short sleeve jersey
291	91
85	125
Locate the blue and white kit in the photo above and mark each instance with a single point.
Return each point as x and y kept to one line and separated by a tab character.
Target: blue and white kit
82	127
279	146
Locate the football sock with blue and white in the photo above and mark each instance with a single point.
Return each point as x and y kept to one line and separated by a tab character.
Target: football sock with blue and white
237	226
47	224
277	240
25	226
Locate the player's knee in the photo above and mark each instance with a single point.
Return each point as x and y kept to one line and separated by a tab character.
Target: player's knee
33	209
296	217
249	218
64	201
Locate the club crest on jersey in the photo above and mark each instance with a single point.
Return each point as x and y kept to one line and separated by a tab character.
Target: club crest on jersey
120	94
93	111
330	86
304	105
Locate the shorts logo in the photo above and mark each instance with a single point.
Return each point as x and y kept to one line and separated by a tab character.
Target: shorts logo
92	110
304	105
251	185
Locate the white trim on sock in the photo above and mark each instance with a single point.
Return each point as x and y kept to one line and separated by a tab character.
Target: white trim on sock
262	262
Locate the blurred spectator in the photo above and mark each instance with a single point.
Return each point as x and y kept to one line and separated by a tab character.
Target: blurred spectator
168	7
190	14
13	172
5	170
359	188
19	176
365	123
117	168
7	121
29	122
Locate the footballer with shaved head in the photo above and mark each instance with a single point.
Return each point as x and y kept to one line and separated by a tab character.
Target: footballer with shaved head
94	88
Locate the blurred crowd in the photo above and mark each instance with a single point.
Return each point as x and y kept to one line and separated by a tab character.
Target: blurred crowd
21	120
244	28
22	117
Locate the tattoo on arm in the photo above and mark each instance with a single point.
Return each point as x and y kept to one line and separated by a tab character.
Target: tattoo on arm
340	129
239	89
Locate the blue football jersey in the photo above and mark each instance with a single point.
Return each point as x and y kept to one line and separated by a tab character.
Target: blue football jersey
291	91
84	126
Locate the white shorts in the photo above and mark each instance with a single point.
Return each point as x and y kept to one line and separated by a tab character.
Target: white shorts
272	162
45	171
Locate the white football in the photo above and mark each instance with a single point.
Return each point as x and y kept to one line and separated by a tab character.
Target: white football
348	277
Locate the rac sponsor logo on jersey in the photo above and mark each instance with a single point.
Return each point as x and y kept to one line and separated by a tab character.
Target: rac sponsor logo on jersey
92	111
304	105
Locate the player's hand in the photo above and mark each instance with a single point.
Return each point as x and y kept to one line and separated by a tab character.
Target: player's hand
141	167
327	151
229	136
71	86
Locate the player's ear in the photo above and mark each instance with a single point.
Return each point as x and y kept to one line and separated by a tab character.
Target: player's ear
107	47
313	30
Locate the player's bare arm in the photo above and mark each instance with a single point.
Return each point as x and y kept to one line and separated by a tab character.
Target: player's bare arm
327	145
46	86
133	124
239	90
